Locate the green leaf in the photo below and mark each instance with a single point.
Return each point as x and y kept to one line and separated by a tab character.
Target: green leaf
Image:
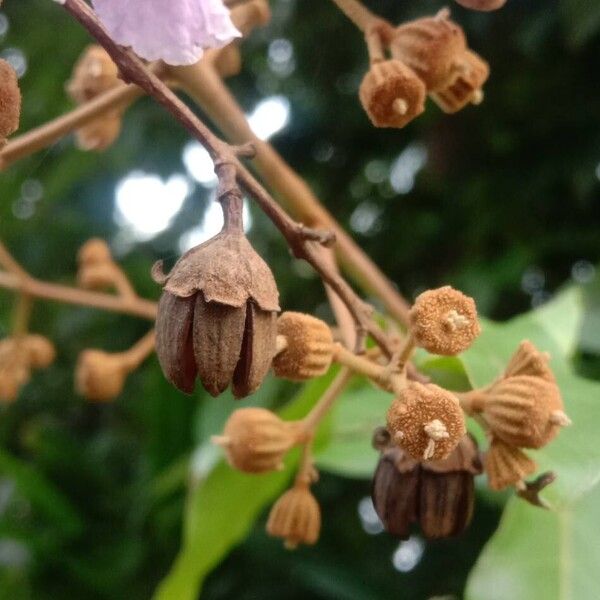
541	555
223	507
582	20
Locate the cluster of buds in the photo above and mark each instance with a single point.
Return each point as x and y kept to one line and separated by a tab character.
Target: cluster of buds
18	356
521	409
429	56
10	101
95	73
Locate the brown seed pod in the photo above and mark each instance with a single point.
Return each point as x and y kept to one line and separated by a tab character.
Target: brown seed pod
528	360
256	440
524	411
391	94
506	465
483	5
40	351
431	47
309	348
295	517
100	376
94	252
217	317
10	101
426	421
444	321
470	73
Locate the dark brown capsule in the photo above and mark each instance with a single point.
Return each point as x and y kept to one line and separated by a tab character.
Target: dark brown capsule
217	317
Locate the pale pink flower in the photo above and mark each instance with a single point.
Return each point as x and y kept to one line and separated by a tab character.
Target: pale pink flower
175	31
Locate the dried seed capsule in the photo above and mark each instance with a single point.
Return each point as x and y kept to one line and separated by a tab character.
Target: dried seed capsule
94	252
528	360
309	349
523	411
447	491
484	5
430	47
470	73
10	101
426	421
395	491
444	321
506	465
391	94
296	517
40	351
256	440
100	376
217	317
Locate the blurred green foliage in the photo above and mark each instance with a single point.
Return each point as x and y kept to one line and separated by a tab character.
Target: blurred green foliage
505	206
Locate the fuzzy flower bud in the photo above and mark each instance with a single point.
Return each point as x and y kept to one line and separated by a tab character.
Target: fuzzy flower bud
431	47
176	31
94	252
426	421
100	376
309	347
483	5
296	517
391	94
256	440
40	351
506	465
10	101
444	321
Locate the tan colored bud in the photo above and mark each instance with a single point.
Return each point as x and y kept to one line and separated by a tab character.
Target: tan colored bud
465	87
296	517
100	134
14	368
523	411
100	376
431	47
444	321
96	276
309	348
94	252
93	74
426	421
256	440
40	351
483	5
10	101
528	360
391	94
217	317
506	465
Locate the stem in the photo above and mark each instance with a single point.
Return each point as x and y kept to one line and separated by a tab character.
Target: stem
10	264
406	352
136	355
358	364
359	14
337	386
22	315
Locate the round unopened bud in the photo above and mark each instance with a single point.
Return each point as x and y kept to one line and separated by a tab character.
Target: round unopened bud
523	411
295	517
100	134
506	465
100	376
10	101
256	440
430	47
528	360
40	351
309	348
96	277
391	94
470	73
94	73
12	379
94	252
426	421
444	321
483	5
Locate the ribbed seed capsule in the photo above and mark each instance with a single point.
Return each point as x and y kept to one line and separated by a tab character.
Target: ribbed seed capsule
309	347
391	94
10	101
465	87
431	47
256	440
295	517
506	465
528	360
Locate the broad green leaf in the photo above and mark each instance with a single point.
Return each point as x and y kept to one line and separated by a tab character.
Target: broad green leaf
581	19
223	507
541	555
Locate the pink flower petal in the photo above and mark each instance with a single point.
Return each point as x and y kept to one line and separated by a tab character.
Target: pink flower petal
175	31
